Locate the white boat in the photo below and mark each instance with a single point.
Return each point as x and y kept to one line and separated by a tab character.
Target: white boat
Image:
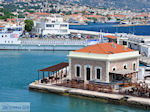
112	21
11	39
125	22
10	34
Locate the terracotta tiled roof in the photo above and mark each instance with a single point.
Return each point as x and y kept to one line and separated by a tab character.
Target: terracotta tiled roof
111	36
141	15
105	48
94	16
75	15
119	16
40	13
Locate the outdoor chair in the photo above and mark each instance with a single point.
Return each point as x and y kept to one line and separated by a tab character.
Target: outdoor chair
87	86
81	86
73	84
96	87
91	87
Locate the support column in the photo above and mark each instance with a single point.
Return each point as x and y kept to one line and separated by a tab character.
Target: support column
70	68
61	74
43	75
66	71
38	76
48	73
107	71
56	77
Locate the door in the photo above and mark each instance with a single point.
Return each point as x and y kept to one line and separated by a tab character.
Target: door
98	73
88	74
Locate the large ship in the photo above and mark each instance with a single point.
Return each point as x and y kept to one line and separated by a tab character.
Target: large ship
10	34
11	39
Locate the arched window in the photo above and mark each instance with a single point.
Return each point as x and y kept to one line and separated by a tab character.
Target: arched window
125	66
78	70
134	66
114	69
98	72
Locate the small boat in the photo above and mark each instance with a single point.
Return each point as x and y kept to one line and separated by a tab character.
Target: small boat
112	21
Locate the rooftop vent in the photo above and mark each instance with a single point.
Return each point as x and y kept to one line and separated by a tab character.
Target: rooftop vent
125	48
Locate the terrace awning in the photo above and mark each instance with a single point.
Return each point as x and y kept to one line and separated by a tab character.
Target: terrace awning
124	72
55	67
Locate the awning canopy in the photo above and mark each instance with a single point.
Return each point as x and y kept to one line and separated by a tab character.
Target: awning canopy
55	67
124	72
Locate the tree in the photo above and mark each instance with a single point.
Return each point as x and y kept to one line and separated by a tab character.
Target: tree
28	25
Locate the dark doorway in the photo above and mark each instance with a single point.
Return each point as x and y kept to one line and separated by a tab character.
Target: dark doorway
78	71
88	74
98	73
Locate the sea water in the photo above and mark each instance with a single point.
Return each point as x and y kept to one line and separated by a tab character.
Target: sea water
19	68
137	30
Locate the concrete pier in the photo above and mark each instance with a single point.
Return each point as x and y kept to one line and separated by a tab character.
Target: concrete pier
112	98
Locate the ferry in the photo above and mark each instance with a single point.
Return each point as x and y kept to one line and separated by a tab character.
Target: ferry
10	34
11	38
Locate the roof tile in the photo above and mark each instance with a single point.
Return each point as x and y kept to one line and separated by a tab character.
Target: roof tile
105	48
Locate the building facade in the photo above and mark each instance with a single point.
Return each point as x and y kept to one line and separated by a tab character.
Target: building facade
102	62
51	25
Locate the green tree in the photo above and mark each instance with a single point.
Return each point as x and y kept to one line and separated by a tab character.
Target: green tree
28	25
7	14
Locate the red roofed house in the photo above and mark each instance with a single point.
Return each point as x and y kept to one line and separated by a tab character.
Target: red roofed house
40	14
104	63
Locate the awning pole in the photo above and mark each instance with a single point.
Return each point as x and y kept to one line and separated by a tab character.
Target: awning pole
43	75
66	71
56	77
38	76
48	73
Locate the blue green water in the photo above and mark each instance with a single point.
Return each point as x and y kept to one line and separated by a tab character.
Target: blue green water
19	68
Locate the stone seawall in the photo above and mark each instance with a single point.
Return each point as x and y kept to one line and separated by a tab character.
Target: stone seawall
111	98
40	47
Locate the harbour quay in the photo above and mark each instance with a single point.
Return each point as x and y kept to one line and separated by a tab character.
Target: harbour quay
109	97
106	71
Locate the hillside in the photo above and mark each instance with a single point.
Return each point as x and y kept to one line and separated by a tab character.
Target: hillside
121	4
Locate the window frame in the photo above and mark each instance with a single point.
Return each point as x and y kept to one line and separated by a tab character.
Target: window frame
124	66
114	67
77	65
96	73
135	66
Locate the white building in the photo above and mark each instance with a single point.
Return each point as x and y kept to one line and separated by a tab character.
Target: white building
51	25
140	43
